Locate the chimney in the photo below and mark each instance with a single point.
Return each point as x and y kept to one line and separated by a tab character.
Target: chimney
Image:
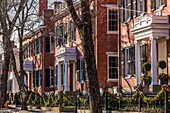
57	7
42	6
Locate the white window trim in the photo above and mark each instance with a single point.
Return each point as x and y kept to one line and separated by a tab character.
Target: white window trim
39	85
126	67
110	32
51	68
109	54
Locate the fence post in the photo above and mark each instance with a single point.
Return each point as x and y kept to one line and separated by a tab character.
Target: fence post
166	101
120	104
76	104
106	101
140	103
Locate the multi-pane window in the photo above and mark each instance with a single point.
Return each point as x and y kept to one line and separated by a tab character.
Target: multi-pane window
135	7
49	77
128	8
127	61
143	56
49	43
141	7
64	34
72	31
47	40
112	20
155	4
37	78
112	67
58	35
61	35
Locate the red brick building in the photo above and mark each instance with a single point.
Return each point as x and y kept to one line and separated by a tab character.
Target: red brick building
38	46
144	38
63	65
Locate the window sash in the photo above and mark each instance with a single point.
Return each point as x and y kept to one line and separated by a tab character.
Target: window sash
113	67
112	20
128	64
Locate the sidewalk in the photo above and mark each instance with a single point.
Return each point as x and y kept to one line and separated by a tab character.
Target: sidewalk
18	110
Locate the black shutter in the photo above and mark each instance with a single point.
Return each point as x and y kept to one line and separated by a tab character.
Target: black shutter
122	11
52	77
47	76
34	79
84	71
40	71
47	43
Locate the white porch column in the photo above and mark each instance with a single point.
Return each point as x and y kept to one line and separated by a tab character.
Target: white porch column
137	63
74	76
66	75
59	77
154	61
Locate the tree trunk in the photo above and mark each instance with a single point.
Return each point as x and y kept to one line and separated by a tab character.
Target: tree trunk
5	76
20	79
85	28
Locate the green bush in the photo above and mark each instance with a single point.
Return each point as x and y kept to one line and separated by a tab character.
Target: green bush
162	64
147	66
163	76
17	99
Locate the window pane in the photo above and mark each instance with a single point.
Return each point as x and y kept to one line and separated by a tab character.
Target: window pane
112	20
47	76
113	69
47	44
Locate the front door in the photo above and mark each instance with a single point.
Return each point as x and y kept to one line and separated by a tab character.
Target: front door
71	77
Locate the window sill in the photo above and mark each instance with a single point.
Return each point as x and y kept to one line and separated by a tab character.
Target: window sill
112	80
51	86
128	77
112	32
